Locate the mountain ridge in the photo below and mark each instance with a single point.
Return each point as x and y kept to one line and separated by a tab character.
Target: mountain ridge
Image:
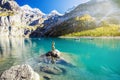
94	8
32	22
20	19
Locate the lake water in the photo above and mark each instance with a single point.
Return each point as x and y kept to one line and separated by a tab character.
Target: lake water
93	59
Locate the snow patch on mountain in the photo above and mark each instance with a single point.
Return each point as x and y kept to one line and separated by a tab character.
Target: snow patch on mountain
28	9
55	12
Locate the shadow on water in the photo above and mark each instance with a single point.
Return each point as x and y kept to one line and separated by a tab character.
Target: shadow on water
1	52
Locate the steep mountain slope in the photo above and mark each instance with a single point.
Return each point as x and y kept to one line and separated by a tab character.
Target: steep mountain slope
99	11
10	18
50	20
25	21
21	21
18	21
32	16
72	25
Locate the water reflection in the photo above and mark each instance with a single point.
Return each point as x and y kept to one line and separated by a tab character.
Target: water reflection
13	51
10	46
1	52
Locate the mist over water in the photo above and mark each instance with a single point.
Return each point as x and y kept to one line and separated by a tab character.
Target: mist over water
96	59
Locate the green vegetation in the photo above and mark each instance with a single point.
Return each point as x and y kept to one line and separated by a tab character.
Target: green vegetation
76	24
7	13
85	17
103	30
86	26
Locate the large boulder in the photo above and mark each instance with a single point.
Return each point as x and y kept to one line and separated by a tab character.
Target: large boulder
20	72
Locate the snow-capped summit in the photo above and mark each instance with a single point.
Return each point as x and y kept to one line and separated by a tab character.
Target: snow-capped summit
36	10
32	16
28	9
55	12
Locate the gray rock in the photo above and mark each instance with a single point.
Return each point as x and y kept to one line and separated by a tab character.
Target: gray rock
51	70
20	72
50	57
54	53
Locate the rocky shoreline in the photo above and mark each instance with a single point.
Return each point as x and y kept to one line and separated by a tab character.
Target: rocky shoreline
46	67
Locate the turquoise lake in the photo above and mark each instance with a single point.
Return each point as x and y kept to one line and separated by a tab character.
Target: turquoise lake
93	59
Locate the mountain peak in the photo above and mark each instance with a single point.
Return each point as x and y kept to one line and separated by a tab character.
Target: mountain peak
55	12
26	7
36	10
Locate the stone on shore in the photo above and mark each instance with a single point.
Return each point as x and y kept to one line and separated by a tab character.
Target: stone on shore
20	72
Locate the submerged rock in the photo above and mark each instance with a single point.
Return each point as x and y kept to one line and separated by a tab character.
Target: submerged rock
52	63
47	77
51	70
20	72
54	57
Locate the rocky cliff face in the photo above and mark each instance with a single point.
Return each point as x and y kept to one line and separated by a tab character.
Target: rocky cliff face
9	27
11	5
22	21
10	19
16	21
32	16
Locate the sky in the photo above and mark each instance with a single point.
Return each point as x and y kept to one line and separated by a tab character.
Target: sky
47	6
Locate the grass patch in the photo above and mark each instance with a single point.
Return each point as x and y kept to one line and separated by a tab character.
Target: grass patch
106	30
